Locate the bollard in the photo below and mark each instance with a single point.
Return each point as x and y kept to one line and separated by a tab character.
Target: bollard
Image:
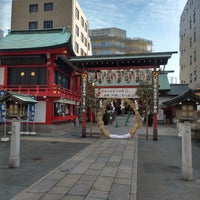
14	158
187	170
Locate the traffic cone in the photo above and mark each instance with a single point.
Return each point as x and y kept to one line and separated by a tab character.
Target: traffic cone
117	125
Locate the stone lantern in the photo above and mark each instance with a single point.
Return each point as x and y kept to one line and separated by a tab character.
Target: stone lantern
16	109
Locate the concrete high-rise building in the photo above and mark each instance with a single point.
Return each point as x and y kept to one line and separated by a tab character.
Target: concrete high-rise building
107	41
1	34
190	44
43	14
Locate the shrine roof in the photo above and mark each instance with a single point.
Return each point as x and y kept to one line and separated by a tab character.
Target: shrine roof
163	81
177	89
186	96
34	39
122	60
20	98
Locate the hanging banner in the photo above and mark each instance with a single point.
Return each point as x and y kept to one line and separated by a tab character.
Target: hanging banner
32	110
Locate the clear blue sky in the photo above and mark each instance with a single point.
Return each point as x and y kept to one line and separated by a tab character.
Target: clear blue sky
156	20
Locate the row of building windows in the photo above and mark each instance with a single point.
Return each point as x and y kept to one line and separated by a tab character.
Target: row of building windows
107	44
77	49
193	77
83	23
35	7
83	39
46	24
82	53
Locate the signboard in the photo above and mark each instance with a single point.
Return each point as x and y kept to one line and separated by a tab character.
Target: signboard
115	93
2	108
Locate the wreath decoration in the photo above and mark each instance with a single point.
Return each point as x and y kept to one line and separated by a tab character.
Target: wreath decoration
105	132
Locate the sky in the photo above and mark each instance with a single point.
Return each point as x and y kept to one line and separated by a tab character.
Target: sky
156	20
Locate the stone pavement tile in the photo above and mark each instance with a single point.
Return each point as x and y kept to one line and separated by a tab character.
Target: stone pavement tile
112	164
27	196
57	175
93	172
81	168
115	159
109	171
42	186
69	180
98	166
73	197
124	172
123	181
52	197
103	183
119	192
59	190
97	195
81	188
126	163
68	166
87	177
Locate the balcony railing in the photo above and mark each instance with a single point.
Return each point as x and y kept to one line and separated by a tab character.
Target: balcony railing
44	90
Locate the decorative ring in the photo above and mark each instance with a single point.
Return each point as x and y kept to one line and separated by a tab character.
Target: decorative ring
105	132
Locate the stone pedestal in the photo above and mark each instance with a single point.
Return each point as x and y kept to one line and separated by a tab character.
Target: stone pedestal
14	158
187	170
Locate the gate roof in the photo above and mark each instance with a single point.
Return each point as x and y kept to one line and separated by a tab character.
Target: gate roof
140	60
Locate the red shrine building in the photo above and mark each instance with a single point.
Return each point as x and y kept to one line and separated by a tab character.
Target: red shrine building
35	62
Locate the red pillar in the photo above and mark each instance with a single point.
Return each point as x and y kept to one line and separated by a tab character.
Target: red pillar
49	111
155	130
5	76
155	103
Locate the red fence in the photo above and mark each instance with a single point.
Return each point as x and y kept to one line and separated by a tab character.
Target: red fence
45	90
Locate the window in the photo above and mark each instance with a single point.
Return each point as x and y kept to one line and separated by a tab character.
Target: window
48	24
33	25
103	44
190	24
76	47
190	77
48	6
77	13
82	52
195	75
195	36
82	37
191	42
194	17
86	42
86	27
191	60
82	21
195	56
33	8
77	30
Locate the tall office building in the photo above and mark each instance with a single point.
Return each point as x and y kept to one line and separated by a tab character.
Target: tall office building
1	34
43	14
106	41
190	44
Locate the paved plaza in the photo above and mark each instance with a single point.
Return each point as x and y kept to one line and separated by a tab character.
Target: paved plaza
101	168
